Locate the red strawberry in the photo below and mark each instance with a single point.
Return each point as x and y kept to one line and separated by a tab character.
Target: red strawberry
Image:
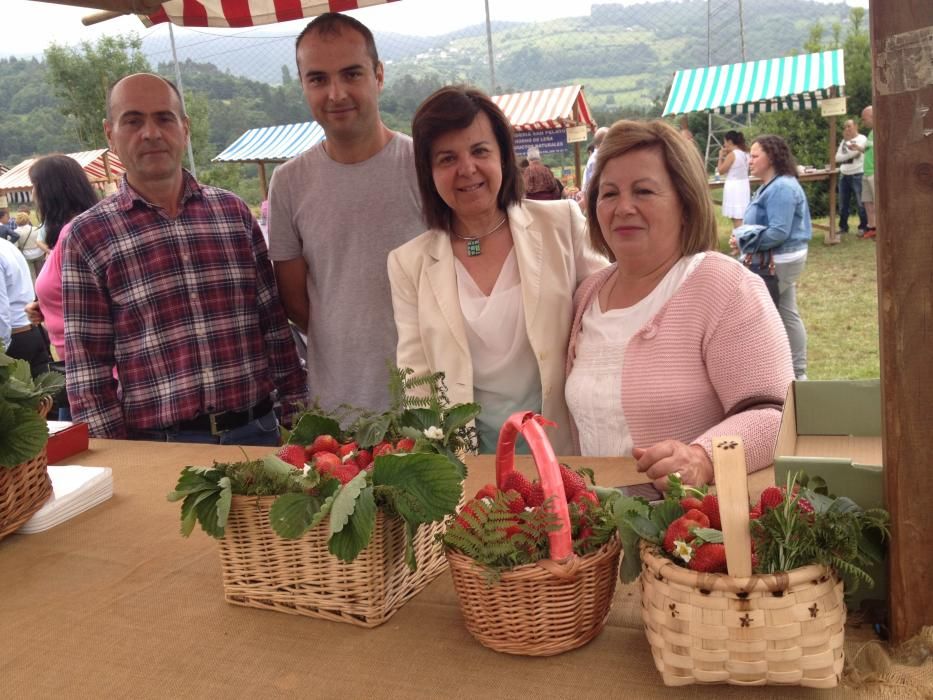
691	503
326	463
405	445
383	448
293	454
585	500
585	533
364	458
804	506
771	497
515	501
466	510
754	513
698	517
488	491
536	497
347	449
680	529
324	443
516	481
710	506
573	482
345	472
709	557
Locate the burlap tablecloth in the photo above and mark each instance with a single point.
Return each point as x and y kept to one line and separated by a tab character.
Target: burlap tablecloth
115	603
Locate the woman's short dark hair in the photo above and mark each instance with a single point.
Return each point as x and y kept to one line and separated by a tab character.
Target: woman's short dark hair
778	152
684	167
737	138
453	108
62	191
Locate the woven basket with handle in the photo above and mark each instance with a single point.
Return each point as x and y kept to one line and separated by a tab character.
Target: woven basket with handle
25	488
553	605
301	577
738	628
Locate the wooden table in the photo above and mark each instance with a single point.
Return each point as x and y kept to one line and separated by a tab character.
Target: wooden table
115	603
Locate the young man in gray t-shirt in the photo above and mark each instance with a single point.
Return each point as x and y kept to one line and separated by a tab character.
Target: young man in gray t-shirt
335	213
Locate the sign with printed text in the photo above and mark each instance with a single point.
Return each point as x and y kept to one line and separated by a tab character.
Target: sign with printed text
575	134
546	141
833	106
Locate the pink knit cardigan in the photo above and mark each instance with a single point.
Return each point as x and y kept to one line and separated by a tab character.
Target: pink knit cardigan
714	361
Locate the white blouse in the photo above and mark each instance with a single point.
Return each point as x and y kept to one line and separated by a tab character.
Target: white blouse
505	372
594	387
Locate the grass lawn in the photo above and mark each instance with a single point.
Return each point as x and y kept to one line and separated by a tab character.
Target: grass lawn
838	299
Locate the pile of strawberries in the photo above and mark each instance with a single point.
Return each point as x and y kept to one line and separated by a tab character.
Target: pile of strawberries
341	461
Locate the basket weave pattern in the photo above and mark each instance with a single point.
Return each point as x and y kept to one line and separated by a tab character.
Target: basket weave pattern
25	488
301	577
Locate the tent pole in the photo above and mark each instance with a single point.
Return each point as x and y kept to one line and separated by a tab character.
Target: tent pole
181	92
492	65
832	237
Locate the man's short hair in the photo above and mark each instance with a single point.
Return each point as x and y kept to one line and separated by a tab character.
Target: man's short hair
181	102
332	24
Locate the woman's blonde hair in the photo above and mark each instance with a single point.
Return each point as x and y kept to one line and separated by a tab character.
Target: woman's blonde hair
684	167
22	218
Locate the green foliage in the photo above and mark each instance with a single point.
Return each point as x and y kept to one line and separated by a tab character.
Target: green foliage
81	77
23	432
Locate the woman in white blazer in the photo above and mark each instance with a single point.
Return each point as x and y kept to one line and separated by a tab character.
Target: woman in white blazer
486	293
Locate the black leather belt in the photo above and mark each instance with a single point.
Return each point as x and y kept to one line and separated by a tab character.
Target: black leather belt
217	423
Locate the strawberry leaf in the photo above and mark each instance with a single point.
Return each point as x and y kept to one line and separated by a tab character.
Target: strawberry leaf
355	535
708	534
309	426
345	502
431	479
293	514
459	416
372	432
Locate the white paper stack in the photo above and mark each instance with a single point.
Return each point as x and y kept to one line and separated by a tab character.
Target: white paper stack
75	490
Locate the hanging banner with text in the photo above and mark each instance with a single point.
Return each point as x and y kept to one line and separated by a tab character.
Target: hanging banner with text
546	141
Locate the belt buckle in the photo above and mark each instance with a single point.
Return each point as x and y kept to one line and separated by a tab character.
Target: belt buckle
215	431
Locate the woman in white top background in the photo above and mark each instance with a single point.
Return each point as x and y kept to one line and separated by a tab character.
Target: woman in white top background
733	163
485	294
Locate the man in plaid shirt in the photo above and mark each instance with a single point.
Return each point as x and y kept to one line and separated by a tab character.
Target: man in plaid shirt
173	326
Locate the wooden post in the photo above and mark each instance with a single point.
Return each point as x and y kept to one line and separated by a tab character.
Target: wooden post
262	180
577	173
831	236
902	98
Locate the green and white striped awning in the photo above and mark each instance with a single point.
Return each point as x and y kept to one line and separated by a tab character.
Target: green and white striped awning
793	82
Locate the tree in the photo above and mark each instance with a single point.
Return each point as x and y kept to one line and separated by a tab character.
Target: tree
196	105
81	77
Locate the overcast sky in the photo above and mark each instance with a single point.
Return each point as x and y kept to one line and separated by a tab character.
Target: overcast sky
28	27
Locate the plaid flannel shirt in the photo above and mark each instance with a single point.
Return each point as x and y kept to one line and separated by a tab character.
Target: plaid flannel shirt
184	310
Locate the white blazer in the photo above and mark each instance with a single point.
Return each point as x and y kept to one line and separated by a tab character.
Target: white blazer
553	254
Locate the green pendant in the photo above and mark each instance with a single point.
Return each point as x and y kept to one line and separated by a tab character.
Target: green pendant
473	248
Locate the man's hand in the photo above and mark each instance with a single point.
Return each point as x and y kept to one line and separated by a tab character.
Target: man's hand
291	278
669	456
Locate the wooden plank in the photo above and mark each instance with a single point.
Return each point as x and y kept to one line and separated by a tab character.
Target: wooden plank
902	42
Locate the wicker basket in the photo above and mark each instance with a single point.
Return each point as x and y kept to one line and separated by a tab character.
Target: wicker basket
300	577
544	608
25	488
741	629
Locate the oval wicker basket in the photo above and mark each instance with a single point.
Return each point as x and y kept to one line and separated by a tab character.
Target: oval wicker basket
25	488
553	605
765	629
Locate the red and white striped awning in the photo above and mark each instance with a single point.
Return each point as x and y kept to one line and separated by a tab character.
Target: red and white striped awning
17	177
546	109
247	13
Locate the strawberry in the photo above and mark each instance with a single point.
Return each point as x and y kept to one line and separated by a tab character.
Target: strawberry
516	481
698	517
536	497
573	482
804	506
585	500
771	497
364	458
323	443
466	510
293	454
406	444
326	463
709	557
488	491
754	513
710	506
585	533
515	501
345	472
691	503
383	448
347	449
680	529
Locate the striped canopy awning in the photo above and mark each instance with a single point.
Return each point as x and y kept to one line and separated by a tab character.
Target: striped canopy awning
792	82
17	177
247	13
546	109
272	144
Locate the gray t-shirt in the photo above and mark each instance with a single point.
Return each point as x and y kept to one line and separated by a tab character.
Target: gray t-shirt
343	220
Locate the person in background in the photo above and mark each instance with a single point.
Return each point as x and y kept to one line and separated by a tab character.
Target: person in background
335	213
538	179
598	137
868	171
21	339
28	243
780	207
733	163
7	231
850	158
485	294
168	287
674	344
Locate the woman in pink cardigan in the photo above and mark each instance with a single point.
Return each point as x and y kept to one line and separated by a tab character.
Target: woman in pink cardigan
674	344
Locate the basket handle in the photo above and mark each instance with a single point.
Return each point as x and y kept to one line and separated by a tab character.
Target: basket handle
732	492
529	424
